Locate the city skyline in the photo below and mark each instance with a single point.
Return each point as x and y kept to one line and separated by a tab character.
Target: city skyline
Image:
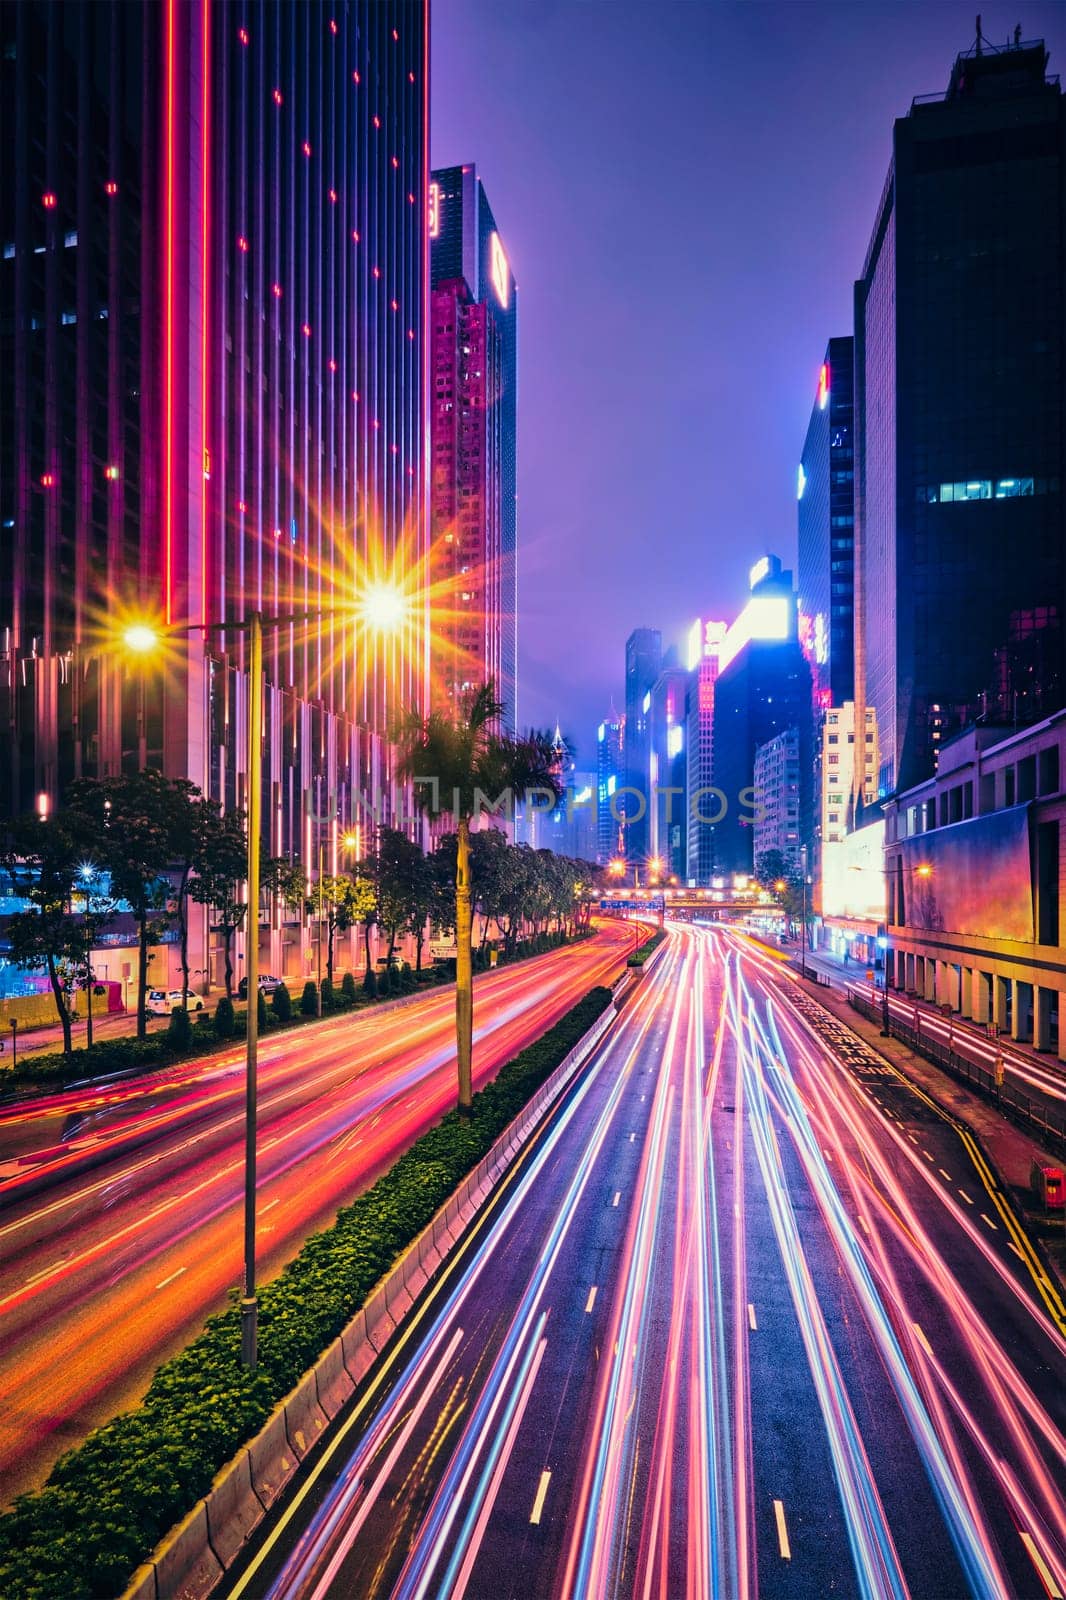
600	356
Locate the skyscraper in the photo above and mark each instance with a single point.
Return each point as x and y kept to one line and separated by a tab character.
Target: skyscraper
469	264
212	365
763	687
668	770
704	641
826	513
610	775
644	657
960	348
465	495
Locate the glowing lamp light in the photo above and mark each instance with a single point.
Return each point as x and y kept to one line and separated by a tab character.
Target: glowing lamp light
333	197
434	210
111	188
48	200
925	870
277	97
375	272
355	77
499	270
823	386
242	35
43	805
275	289
48	480
242	245
306	330
332	25
111	474
383	607
376	120
350	841
395	163
307	148
141	638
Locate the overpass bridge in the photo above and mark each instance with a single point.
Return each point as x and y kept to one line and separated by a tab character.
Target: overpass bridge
716	905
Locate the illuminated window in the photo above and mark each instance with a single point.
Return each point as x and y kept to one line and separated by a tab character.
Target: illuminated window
48	200
1008	488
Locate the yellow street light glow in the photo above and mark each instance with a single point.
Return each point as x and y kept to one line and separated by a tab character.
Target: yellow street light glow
925	870
383	607
351	841
140	637
780	885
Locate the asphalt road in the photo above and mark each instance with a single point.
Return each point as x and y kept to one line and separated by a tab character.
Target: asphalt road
120	1207
748	1317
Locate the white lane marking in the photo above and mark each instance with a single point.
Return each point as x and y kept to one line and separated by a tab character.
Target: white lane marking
782	1531
542	1489
1017	1252
269	1206
943	1174
986	1218
617	1197
752	1324
923	1341
928	1154
591	1301
1041	1565
966	1197
632	1136
864	1224
37	1276
173	1275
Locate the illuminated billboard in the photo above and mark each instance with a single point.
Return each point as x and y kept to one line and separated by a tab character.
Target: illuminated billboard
971	877
853	875
765	617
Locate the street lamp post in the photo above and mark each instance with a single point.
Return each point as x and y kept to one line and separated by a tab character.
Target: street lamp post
381	609
803	912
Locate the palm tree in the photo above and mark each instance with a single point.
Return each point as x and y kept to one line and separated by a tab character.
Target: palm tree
460	766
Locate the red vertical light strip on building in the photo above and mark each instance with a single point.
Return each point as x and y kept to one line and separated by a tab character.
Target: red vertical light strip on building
205	304
168	334
422	488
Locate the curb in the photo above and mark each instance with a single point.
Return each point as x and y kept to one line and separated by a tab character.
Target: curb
192	1559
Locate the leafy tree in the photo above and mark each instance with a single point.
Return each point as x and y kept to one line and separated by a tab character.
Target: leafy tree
341	902
779	875
42	862
460	764
132	816
400	880
219	884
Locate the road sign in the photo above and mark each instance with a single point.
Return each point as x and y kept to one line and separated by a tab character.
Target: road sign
443	952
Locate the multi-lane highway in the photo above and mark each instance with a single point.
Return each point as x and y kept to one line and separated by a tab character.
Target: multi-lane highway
749	1317
120	1220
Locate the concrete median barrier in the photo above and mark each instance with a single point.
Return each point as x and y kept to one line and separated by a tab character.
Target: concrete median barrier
305	1420
186	1567
234	1510
335	1385
380	1326
359	1353
272	1460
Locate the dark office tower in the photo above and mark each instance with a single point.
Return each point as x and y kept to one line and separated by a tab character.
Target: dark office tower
826	567
763	687
466	248
465	503
668	771
959	327
213	263
644	659
610	776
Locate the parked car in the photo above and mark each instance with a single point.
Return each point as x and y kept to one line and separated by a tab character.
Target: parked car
267	984
161	1002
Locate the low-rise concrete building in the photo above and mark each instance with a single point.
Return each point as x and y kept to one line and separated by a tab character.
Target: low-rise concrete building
974	864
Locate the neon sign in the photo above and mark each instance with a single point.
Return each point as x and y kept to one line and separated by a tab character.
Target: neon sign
499	270
823	386
434	210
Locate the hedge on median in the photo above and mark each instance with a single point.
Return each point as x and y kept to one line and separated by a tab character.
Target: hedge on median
648	948
108	1502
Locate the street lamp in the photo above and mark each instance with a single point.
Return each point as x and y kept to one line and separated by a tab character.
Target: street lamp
381	607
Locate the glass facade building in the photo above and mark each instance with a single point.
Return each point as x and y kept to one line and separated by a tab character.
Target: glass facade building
826	516
212	376
466	246
959	326
644	660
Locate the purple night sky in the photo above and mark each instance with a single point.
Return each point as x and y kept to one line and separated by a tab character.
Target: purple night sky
686	192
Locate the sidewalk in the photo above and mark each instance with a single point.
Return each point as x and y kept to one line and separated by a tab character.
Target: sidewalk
1009	1150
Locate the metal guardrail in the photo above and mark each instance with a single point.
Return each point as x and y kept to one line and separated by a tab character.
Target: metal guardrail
1032	1115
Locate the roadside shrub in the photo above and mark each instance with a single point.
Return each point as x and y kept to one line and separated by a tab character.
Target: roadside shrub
348	989
281	1003
328	997
370	984
641	954
225	1018
179	1031
309	999
261	1011
108	1502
